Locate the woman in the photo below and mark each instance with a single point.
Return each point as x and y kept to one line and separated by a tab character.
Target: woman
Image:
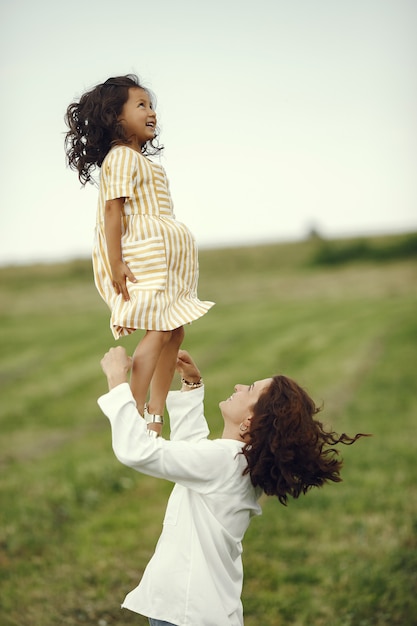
271	443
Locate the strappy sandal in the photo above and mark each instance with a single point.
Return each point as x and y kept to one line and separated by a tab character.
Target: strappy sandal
152	418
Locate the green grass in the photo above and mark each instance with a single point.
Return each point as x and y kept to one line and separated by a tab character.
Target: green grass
77	528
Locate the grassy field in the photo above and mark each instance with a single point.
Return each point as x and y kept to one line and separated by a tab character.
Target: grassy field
77	528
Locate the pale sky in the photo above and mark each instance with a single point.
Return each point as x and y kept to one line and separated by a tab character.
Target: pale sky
276	115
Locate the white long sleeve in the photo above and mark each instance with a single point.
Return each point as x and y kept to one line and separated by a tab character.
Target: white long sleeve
189	458
195	575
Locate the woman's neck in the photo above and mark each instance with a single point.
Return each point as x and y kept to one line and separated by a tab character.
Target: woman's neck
230	432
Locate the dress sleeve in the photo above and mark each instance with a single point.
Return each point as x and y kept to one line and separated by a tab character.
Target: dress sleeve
200	465
121	171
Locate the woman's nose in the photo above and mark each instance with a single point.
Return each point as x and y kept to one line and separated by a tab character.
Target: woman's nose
238	387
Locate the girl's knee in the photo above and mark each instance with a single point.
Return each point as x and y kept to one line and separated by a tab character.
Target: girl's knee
160	337
178	335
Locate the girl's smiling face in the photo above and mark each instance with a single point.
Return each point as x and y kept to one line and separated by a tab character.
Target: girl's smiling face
138	117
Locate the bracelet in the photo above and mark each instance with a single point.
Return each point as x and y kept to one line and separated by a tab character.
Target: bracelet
196	385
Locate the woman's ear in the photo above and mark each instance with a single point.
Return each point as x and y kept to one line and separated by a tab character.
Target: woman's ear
245	425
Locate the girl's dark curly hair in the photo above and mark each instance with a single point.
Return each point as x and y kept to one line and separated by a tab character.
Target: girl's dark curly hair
94	127
288	451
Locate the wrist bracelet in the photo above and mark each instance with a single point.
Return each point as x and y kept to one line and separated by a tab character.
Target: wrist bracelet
199	383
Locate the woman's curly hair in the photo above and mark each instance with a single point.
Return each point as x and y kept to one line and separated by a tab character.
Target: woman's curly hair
288	451
94	127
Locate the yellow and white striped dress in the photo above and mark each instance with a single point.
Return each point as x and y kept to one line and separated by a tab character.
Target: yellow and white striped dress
160	251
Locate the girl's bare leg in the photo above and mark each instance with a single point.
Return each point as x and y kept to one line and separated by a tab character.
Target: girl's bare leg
145	359
164	372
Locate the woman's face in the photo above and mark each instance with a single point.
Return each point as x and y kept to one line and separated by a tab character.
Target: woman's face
240	404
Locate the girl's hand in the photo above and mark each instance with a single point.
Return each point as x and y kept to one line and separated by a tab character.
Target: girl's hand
121	273
187	368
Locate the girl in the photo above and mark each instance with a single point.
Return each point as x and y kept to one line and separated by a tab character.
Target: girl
145	262
271	443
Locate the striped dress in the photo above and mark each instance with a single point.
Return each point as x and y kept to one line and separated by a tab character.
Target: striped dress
160	251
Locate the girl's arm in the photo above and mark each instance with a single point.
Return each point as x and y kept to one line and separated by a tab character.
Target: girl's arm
113	231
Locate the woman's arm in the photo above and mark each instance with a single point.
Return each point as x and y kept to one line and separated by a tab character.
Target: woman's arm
186	413
191	461
201	465
190	374
113	231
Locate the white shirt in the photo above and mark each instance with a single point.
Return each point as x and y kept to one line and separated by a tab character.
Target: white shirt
195	575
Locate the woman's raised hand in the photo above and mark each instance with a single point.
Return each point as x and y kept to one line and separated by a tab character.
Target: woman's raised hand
187	368
116	365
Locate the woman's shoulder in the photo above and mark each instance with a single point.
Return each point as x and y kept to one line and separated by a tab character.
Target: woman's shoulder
230	452
225	450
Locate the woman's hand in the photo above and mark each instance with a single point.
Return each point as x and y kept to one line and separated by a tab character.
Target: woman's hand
116	365
187	368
